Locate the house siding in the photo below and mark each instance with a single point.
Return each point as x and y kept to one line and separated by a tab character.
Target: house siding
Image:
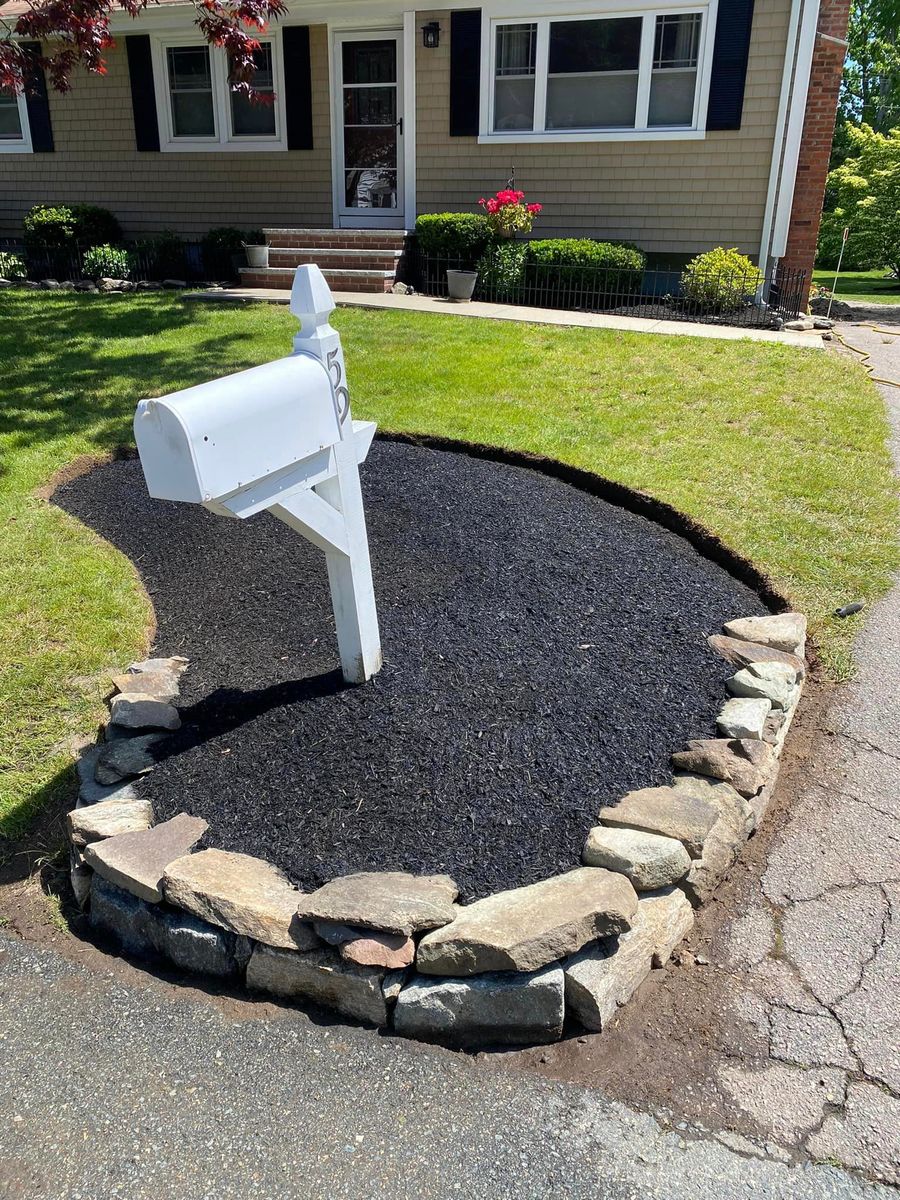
95	162
675	197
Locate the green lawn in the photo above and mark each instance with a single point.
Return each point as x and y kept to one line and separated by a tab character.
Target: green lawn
778	451
870	287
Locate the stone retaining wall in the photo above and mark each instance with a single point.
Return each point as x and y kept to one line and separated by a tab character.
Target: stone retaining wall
395	950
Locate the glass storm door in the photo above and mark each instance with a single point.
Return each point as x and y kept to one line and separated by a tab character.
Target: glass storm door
370	130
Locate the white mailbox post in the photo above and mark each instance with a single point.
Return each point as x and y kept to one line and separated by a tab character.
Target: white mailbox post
280	437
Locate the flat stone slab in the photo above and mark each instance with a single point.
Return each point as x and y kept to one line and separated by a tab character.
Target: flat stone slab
743	717
602	978
323	977
746	763
238	892
525	928
741	654
176	664
126	757
666	811
161	685
137	861
487	1009
392	901
784	631
134	711
108	818
648	860
773	681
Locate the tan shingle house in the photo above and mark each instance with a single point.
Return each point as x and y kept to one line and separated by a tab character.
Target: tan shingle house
678	126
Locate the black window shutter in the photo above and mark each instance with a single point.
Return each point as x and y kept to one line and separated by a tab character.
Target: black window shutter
38	106
143	91
297	87
465	71
729	66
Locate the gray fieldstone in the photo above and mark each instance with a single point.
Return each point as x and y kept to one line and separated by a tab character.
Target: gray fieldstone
528	927
722	846
392	901
244	894
508	1009
50	285
742	717
665	811
145	929
92	792
741	654
746	763
137	861
648	860
135	711
785	631
772	728
773	681
393	984
323	977
107	819
602	978
177	664
161	685
123	758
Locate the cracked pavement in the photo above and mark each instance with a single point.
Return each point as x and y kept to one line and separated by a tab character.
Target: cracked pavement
817	950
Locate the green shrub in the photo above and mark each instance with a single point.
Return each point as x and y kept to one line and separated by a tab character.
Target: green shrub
573	265
11	265
720	279
62	227
161	256
453	235
106	262
859	254
226	239
501	272
49	227
95	226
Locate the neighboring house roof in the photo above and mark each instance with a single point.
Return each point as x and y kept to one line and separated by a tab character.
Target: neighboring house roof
16	8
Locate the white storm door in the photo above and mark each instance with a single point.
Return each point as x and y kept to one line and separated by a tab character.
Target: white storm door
369	183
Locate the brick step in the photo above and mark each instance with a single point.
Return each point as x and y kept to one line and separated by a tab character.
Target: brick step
345	280
335	257
351	239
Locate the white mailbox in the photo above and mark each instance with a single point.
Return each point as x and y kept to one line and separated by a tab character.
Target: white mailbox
279	437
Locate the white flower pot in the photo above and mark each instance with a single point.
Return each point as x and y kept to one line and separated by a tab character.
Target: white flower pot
461	284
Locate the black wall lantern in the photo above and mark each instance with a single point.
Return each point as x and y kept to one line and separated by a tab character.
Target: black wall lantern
431	35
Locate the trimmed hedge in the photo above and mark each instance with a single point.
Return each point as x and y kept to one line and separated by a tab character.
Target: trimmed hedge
572	265
462	236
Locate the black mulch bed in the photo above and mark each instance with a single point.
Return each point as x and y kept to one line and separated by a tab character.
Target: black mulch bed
544	652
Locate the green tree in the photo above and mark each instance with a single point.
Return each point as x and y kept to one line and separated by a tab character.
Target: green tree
866	192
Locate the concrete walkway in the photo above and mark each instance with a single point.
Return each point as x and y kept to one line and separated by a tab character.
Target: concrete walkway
515	312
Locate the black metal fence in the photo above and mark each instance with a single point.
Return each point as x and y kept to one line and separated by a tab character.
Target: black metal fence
723	298
153	259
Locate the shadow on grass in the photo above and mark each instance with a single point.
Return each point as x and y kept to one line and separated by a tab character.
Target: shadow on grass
70	370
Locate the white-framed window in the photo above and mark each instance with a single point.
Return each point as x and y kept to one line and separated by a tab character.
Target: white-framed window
591	76
15	134
196	108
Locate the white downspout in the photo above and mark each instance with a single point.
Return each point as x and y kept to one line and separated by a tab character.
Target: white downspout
794	136
778	139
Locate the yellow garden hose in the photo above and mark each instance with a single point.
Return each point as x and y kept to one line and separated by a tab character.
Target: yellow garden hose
865	355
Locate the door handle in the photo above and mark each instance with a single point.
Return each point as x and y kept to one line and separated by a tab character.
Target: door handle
399	125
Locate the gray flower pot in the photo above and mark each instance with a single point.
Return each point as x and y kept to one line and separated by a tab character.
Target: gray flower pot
461	284
257	256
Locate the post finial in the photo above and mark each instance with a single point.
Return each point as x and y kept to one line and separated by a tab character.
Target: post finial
311	300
